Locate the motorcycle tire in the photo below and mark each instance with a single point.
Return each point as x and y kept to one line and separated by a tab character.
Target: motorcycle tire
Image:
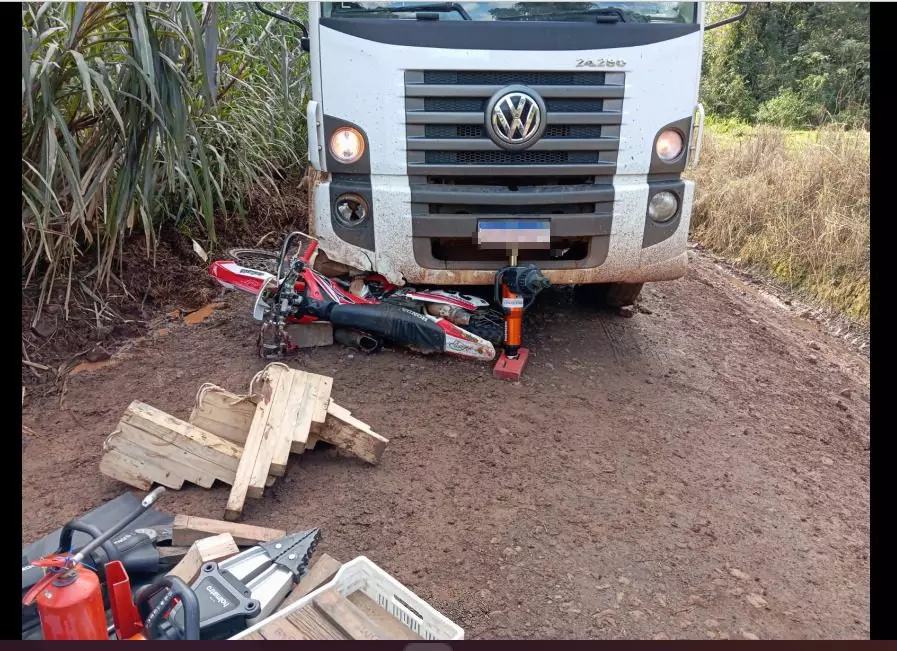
258	259
489	324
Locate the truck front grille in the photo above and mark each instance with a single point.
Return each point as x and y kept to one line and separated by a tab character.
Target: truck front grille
477	131
508	77
458	175
445	110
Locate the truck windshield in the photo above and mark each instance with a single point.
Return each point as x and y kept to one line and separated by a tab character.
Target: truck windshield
636	12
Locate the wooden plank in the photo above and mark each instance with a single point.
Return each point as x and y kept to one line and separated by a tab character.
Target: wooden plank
171	555
394	629
136	472
348	433
116	466
348	617
142	445
255	635
314	625
187	529
298	424
184	435
253	443
311	442
320	572
224	414
281	629
274	434
319	417
214	548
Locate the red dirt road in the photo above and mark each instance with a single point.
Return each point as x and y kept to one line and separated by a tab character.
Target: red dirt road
699	471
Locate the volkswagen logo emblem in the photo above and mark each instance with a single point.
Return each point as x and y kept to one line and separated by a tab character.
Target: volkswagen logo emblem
515	117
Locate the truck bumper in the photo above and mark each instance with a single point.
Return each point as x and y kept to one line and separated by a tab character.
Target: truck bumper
621	245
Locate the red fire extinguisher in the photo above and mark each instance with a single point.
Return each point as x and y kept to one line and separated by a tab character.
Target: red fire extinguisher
69	597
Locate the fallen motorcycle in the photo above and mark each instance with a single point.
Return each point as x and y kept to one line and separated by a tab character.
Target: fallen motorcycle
364	311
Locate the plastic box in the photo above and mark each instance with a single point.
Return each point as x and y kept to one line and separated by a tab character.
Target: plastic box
362	574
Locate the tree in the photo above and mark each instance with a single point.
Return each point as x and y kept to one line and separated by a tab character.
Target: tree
797	64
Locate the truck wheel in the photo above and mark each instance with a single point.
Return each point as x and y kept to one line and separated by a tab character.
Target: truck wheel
608	294
622	294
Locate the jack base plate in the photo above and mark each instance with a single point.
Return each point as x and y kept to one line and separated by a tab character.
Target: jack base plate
510	369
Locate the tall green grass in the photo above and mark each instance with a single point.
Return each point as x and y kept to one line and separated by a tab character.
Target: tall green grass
136	113
796	204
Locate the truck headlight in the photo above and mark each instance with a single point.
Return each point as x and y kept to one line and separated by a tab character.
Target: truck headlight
663	206
347	145
669	145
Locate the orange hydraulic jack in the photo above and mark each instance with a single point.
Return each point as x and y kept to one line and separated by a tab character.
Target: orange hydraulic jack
516	287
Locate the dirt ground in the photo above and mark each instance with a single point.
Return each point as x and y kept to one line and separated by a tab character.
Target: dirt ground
700	470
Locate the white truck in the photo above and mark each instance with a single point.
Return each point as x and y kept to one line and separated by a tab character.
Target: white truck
566	126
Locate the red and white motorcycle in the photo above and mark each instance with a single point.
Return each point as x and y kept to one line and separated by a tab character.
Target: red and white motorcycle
364	311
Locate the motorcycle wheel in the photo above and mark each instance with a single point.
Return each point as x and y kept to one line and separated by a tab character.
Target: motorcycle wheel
258	259
489	324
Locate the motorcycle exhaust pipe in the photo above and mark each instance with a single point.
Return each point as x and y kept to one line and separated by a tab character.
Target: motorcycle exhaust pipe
456	315
355	339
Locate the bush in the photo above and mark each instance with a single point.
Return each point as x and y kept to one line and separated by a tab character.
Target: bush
789	110
799	209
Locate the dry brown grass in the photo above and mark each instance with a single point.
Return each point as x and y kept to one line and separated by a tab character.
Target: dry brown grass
797	207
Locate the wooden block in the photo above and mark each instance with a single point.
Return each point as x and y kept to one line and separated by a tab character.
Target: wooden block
348	617
298	419
311	335
253	443
187	529
281	629
183	435
395	629
252	636
138	473
171	555
308	402
311	442
275	436
322	402
214	548
314	625
348	433
138	444
224	414
320	572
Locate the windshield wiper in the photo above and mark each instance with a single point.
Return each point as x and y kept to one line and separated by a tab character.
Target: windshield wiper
437	7
602	15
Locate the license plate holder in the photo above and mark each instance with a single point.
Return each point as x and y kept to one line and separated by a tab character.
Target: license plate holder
514	233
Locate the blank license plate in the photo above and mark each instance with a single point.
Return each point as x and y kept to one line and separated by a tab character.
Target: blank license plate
514	233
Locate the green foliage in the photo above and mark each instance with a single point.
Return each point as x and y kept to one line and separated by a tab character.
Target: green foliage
137	112
798	65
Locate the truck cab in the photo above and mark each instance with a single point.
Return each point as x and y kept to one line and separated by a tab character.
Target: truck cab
430	121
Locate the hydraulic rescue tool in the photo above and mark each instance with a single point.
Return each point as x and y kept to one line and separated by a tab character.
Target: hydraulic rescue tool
225	598
244	589
516	288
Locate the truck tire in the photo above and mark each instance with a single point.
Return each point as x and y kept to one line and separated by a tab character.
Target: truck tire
622	294
608	294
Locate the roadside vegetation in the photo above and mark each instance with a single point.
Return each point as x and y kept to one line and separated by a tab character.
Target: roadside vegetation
783	180
138	116
795	204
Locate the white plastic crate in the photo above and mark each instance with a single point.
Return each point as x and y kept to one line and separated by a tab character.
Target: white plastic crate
363	574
